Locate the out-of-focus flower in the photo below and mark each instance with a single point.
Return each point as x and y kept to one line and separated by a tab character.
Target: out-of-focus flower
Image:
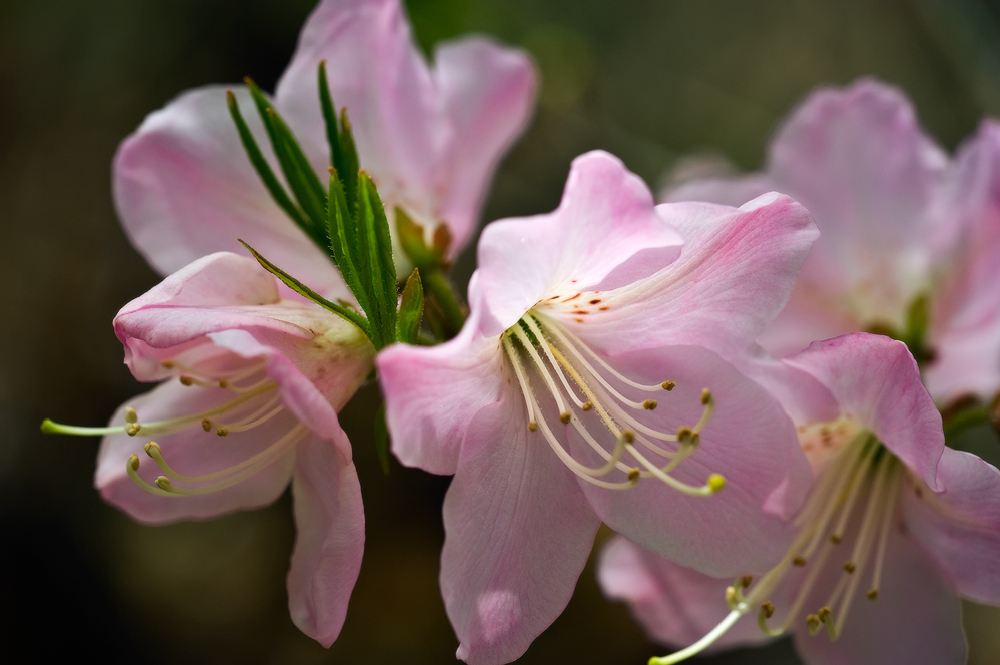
551	408
429	137
896	527
250	404
910	240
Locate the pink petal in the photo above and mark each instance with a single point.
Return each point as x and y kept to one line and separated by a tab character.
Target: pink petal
518	533
966	324
676	606
724	190
804	398
876	380
184	187
960	527
432	394
605	234
488	92
916	619
191	452
749	440
330	536
862	165
734	274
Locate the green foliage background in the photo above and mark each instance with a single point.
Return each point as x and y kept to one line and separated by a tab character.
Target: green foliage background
649	80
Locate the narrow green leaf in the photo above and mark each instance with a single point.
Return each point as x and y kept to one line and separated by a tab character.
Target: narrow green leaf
263	169
373	232
301	178
351	165
330	119
382	438
411	307
343	240
305	291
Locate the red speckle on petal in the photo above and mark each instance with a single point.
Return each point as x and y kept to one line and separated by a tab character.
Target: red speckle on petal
604	308
580	311
595	301
578	320
572	298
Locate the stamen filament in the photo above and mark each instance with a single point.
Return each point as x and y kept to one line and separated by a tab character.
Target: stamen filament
519	371
703	643
543	370
548	350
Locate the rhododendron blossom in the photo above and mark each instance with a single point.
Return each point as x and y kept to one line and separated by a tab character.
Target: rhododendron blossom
589	385
429	137
910	242
251	387
895	528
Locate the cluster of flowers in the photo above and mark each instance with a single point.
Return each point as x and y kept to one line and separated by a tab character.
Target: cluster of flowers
619	361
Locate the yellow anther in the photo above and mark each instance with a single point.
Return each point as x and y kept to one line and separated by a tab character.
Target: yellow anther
133	429
163	483
168	364
633	475
731	598
706	396
813	622
223	383
133	462
532	426
186	380
206	424
826	616
131	417
767	609
835	539
746	581
668	384
565	417
849	568
716	482
628	436
799	561
684	434
152	449
222	431
872	594
649	404
587	406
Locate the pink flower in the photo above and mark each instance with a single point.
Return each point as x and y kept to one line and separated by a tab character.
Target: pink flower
896	527
903	229
430	138
551	408
251	388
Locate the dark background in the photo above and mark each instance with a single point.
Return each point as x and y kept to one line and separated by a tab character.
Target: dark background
649	80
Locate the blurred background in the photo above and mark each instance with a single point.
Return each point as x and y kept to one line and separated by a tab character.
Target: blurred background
650	80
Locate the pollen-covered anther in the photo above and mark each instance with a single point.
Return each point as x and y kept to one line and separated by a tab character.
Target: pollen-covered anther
186	380
684	435
746	581
206	424
223	383
163	483
133	462
767	609
716	482
152	449
628	436
532	426
731	598
849	568
131	417
565	417
649	404
813	622
587	406
633	475
706	396
668	385
222	431
132	429
168	364
836	538
799	561
872	594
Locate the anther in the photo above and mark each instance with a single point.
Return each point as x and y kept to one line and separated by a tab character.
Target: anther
587	406
152	449
684	434
731	598
532	426
813	622
133	429
706	396
835	539
767	609
133	462
206	424
222	431
849	568
223	383
163	483
649	404
633	475
565	417
746	581
825	615
168	364
131	417
186	380
716	482
872	594
628	436
668	384
799	561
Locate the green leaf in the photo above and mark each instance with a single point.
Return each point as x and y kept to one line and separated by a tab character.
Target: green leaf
351	164
263	169
376	247
382	438
299	174
330	119
344	240
305	291
411	307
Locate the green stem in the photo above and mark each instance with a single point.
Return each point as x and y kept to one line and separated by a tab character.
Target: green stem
440	289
